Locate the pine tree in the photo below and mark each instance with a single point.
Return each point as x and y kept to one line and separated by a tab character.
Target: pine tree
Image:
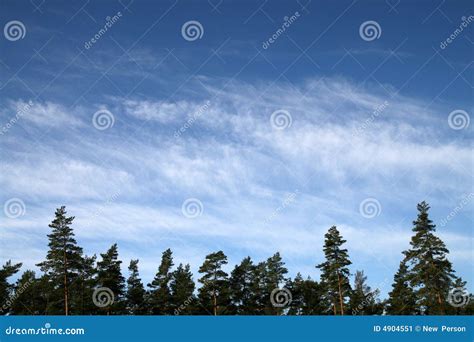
334	271
84	287
306	295
364	300
274	276
160	295
28	298
135	291
259	296
431	273
182	288
109	275
63	260
214	292
402	300
6	288
240	284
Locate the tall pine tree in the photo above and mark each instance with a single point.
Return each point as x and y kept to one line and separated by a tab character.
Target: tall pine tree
240	284
182	287
135	291
431	273
160	295
402	300
334	271
63	260
109	275
214	292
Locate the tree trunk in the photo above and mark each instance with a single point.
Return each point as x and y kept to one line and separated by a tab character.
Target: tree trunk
340	293
66	303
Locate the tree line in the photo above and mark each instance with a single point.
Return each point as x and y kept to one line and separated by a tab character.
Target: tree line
72	283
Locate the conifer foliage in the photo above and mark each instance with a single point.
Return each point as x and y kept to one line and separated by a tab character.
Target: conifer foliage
71	283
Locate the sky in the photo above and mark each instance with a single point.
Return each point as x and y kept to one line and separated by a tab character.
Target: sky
245	126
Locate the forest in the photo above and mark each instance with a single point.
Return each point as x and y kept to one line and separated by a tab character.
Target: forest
72	283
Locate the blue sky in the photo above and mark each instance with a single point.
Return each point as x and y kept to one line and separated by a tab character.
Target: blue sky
273	141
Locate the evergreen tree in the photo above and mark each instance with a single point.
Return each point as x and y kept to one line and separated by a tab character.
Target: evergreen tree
160	295
109	275
334	271
84	287
240	284
135	291
28	300
274	276
259	296
182	288
364	300
431	273
214	292
306	295
63	260
6	288
402	300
